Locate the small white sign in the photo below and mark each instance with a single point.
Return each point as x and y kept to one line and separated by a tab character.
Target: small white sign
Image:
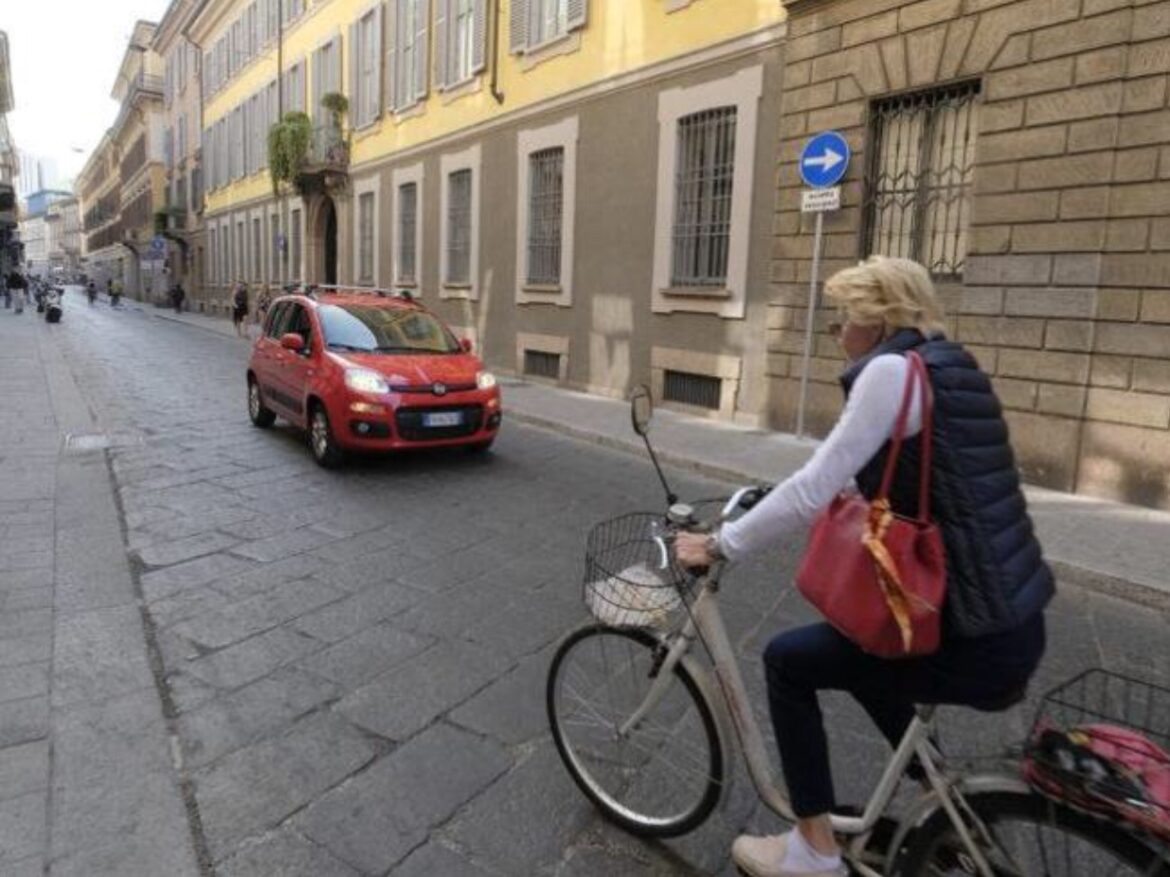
820	200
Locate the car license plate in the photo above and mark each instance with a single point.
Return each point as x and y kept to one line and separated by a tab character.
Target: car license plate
443	418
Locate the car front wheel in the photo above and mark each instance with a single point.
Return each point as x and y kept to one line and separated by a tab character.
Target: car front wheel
261	417
326	451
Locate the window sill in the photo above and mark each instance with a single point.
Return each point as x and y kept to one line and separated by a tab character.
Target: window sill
456	287
413	111
464	88
565	44
457	290
406	284
715	292
542	288
361	132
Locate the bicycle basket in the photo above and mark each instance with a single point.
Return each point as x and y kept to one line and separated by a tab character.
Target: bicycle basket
625	584
1101	743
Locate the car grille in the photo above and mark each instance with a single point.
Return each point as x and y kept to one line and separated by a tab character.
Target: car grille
409	423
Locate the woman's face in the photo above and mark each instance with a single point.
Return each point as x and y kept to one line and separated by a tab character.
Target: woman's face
857	340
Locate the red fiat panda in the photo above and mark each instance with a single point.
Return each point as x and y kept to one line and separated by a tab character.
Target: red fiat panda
367	371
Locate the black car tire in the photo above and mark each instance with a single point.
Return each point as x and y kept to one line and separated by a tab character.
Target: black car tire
261	417
326	451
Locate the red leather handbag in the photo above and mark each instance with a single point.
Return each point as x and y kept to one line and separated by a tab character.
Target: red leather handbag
878	578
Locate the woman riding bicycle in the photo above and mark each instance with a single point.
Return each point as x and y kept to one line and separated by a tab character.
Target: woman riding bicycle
998	583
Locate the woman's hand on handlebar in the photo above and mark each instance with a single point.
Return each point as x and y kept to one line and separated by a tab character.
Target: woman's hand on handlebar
693	550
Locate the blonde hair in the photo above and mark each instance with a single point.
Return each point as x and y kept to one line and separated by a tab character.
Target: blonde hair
882	290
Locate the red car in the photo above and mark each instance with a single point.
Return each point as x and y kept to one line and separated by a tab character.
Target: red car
364	371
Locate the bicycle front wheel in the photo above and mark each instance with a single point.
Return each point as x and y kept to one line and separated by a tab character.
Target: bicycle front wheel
661	778
1029	835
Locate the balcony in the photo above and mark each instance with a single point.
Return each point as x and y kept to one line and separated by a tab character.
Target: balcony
328	150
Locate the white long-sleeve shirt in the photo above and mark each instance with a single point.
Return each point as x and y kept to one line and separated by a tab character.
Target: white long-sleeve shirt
866	424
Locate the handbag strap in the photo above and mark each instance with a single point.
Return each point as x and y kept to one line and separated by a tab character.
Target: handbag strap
915	376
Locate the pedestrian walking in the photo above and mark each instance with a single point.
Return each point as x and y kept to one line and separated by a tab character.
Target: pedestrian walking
7	292
240	308
115	293
17	286
263	303
993	632
91	292
177	296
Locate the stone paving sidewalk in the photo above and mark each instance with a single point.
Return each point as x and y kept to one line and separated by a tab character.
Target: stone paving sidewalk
87	782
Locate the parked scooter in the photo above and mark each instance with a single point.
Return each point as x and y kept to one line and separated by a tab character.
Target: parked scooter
53	307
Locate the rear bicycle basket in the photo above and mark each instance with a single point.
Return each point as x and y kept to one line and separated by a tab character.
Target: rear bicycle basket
626	584
1101	743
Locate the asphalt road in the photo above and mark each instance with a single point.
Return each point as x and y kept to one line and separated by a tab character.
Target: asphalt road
355	660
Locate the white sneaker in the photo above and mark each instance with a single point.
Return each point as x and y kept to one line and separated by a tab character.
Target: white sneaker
761	857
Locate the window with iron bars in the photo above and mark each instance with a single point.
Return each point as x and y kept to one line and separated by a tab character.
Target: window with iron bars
920	180
546	189
702	198
407	231
459	227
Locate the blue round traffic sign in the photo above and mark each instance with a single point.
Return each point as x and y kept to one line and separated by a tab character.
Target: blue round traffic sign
824	160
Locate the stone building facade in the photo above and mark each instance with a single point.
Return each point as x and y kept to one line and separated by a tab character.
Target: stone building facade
1022	149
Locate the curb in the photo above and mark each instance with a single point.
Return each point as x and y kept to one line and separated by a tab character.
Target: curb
1066	573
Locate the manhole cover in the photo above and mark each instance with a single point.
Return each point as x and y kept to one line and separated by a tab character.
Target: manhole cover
81	442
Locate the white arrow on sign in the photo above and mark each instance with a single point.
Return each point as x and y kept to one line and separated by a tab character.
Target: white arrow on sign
825	162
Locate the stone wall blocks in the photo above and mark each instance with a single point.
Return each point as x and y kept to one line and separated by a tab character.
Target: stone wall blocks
1132	339
1083	203
1015	51
1128	235
1016	207
1128	407
1052	302
924	54
958	39
1002	116
1001	331
1087	169
1160	234
1088	102
995	178
1085	236
1146	270
1152	21
1072	335
980	300
1035	78
988	239
1144	129
1045	365
893	52
1146	94
1096	7
811	97
838	117
867	30
1149	59
813	45
1061	399
798	74
1156	307
1118	305
1080	36
1147	199
1008	270
1025	143
1077	269
1101	66
1093	135
1016	394
1151	375
928	12
1110	371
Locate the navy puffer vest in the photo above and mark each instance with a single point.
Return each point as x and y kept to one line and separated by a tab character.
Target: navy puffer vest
996	576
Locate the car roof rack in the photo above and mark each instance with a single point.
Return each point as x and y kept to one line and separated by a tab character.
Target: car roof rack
311	290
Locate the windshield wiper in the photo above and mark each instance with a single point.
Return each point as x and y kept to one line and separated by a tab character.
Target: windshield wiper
335	345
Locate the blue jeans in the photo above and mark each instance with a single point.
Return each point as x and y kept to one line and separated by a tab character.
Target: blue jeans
976	672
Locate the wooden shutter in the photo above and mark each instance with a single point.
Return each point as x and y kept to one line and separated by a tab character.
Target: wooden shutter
374	102
577	10
357	103
390	42
518	27
421	25
315	109
479	36
339	70
442	41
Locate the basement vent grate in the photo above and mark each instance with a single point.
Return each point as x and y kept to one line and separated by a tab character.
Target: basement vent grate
540	364
701	391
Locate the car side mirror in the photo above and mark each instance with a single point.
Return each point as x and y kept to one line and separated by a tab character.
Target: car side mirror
293	341
466	345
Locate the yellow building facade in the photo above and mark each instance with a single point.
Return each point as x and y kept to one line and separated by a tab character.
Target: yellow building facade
582	187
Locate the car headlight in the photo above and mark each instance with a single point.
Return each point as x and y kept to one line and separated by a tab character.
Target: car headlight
485	380
365	381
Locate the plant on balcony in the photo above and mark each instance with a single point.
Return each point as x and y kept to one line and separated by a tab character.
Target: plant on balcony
288	148
337	104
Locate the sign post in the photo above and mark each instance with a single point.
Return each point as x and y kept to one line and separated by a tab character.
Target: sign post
823	164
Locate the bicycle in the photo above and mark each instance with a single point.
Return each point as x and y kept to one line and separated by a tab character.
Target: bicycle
646	730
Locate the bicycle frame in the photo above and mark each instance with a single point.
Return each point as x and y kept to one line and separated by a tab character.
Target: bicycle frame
706	622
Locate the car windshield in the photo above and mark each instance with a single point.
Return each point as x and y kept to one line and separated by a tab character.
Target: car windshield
373	329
